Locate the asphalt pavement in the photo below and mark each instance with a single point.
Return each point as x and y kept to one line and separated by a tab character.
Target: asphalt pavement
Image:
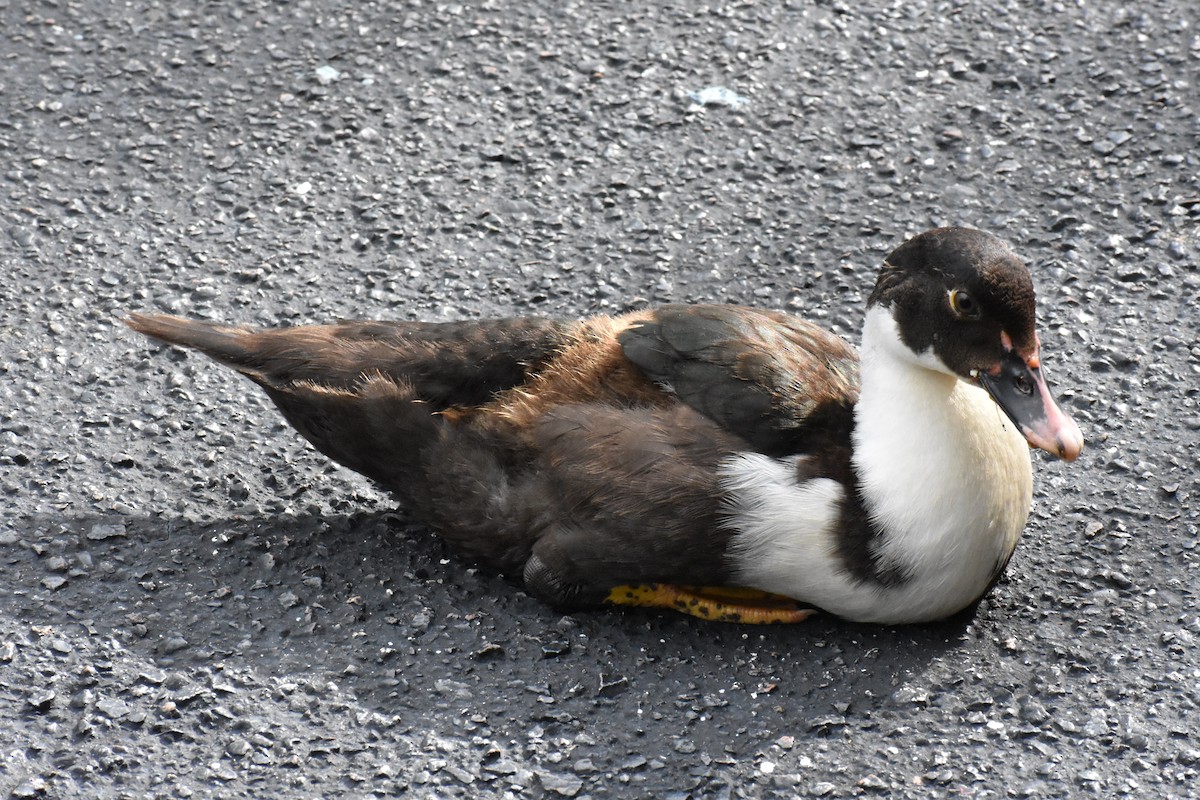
195	604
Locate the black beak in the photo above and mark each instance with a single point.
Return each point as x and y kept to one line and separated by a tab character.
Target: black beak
1020	390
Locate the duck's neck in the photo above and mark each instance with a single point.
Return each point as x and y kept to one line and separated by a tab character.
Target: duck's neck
941	471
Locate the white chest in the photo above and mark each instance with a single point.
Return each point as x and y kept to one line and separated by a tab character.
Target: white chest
951	490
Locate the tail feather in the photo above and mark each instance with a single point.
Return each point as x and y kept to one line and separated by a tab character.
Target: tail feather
270	357
225	343
446	364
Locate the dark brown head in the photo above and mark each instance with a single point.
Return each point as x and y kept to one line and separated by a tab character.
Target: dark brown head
958	290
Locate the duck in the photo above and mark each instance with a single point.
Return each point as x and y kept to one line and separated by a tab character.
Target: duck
729	462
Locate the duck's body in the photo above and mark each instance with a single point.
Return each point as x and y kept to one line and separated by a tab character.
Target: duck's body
710	445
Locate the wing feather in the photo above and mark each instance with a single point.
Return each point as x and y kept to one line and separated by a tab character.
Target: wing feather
762	375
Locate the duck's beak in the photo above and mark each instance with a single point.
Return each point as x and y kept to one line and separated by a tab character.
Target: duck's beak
1019	388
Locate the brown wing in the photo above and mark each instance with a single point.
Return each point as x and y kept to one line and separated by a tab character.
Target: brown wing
767	377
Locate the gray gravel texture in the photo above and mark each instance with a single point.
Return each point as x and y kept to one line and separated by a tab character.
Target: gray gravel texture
195	604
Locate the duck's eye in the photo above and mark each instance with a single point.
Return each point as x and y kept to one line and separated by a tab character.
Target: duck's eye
963	304
1023	385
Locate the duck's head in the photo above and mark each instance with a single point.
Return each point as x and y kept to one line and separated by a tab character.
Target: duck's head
964	304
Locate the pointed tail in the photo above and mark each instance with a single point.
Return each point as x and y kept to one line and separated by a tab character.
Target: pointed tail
225	343
446	363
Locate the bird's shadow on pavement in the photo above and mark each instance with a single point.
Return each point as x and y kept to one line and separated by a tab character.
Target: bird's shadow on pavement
376	604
